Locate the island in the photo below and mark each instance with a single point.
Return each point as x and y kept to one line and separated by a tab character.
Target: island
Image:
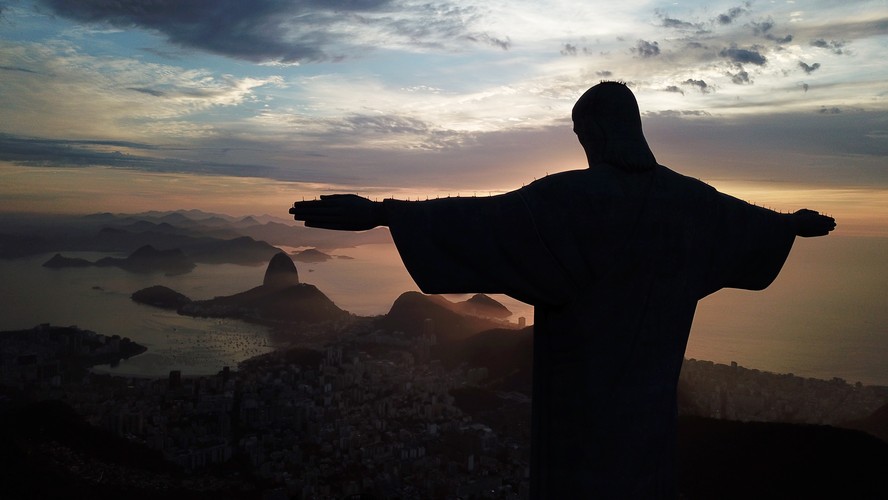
311	255
281	298
144	260
160	296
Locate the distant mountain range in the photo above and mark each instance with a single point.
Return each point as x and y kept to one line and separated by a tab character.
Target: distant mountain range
201	236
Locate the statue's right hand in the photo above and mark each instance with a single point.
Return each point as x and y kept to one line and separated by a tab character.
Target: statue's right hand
343	212
809	223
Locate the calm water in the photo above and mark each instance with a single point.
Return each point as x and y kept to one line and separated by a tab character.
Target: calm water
825	316
98	299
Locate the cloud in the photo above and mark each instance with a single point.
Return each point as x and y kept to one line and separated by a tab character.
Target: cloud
729	16
809	68
836	47
393	131
676	113
674	89
830	147
741	77
61	153
700	84
763	29
743	56
780	40
19	68
569	50
288	31
669	22
155	93
647	49
122	98
503	43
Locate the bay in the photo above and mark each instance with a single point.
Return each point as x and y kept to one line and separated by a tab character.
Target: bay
98	299
825	316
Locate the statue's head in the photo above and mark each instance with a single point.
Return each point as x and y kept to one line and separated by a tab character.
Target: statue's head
608	124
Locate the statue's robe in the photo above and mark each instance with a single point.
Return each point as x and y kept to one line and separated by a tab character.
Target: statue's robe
614	264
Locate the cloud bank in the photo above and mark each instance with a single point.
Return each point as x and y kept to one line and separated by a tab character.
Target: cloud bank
287	31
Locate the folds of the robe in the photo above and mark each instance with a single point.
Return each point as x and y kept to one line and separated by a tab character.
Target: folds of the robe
614	264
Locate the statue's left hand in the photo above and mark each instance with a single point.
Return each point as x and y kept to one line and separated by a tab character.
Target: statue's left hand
343	212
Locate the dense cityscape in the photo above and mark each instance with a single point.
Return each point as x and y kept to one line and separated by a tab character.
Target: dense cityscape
370	413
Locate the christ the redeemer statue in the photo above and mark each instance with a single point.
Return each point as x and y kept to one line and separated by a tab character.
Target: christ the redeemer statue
614	259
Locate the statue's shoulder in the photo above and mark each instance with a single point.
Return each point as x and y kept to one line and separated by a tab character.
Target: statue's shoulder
589	187
580	178
665	175
679	189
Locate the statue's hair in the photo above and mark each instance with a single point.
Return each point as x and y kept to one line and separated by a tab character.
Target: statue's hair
608	124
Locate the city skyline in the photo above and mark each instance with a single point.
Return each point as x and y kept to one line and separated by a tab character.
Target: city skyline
239	109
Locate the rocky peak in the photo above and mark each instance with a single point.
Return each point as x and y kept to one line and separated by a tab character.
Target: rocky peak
281	272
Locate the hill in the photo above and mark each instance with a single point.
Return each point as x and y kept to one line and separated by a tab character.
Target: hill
148	259
311	255
483	306
302	303
731	460
281	298
741	460
875	424
59	261
411	310
160	296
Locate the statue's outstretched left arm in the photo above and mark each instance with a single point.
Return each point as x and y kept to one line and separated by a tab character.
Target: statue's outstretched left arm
343	212
809	223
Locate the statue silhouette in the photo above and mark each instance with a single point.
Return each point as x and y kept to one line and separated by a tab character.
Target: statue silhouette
614	259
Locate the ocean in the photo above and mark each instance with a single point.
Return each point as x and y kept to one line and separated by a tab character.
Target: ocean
825	316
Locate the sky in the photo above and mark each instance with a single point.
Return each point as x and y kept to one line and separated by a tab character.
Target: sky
244	107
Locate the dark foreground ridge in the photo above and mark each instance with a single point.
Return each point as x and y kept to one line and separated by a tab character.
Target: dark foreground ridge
743	460
48	451
294	426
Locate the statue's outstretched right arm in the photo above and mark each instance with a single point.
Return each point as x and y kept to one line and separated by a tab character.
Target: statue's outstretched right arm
809	223
342	212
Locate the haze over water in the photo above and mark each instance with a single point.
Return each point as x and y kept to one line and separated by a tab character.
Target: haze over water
825	316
